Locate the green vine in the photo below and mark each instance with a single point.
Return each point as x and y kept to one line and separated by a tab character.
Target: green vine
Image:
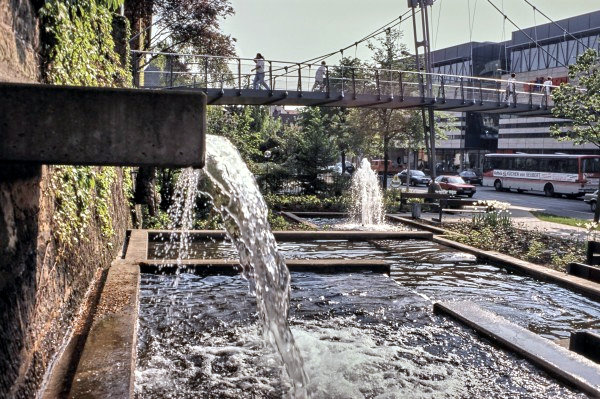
80	194
79	49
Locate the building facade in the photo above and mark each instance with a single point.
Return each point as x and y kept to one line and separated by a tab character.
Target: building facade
476	134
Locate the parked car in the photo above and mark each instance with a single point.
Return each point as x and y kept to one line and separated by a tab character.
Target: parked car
471	177
338	167
378	165
456	183
591	199
416	177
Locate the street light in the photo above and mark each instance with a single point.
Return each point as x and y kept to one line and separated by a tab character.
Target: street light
267	155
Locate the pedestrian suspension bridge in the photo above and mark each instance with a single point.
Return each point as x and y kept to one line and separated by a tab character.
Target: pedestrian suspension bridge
229	81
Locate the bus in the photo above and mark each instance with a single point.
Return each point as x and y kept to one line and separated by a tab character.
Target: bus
552	174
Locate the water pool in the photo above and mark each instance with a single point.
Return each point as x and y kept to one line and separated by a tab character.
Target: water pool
361	334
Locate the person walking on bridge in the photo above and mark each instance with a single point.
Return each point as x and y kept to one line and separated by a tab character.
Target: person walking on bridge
259	78
547	90
320	78
511	89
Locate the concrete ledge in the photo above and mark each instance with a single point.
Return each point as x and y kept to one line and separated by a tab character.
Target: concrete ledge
564	364
352	235
230	266
414	223
573	283
294	218
333	215
137	246
101	126
107	365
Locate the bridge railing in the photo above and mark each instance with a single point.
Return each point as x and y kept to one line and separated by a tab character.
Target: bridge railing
192	71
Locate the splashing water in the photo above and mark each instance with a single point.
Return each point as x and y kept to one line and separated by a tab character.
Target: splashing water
367	200
236	196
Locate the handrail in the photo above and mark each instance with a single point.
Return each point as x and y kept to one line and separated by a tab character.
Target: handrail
295	64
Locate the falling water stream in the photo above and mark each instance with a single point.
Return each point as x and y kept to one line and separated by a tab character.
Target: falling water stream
367	200
236	196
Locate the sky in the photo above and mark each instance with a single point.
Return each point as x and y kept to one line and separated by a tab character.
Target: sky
296	30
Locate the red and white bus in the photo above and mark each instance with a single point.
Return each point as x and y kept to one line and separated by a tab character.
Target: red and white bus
555	174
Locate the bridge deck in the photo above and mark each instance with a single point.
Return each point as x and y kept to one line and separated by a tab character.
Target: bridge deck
336	99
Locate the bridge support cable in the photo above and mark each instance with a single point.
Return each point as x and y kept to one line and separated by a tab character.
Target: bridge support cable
531	39
566	32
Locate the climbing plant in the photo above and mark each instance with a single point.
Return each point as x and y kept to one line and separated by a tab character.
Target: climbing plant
79	49
78	44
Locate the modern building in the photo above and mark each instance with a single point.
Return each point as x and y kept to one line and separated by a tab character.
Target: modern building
477	134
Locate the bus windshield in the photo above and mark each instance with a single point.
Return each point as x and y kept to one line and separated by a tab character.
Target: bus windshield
591	165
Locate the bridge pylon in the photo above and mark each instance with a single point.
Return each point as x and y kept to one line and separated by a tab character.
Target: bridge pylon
422	25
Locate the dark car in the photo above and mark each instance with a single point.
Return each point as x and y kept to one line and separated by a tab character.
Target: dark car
471	177
456	183
416	177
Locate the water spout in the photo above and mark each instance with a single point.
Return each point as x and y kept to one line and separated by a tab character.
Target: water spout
367	199
236	196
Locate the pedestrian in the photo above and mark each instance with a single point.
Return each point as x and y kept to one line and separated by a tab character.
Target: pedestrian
511	89
548	86
259	78
547	90
320	78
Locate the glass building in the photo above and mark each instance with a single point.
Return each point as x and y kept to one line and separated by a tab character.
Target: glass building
477	134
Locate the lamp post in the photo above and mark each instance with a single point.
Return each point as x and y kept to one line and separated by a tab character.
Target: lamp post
267	155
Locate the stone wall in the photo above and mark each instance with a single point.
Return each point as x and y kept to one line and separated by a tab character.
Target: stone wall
43	285
19	41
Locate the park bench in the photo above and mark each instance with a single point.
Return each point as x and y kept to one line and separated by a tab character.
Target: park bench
458	206
593	253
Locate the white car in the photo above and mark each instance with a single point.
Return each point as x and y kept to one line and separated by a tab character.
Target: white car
591	199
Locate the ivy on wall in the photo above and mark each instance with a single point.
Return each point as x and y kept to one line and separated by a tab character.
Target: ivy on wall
79	49
78	45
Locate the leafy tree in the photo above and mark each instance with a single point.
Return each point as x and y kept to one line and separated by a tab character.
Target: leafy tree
315	148
579	101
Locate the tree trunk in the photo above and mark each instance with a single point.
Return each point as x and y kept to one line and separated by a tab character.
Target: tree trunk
597	212
385	161
408	168
343	162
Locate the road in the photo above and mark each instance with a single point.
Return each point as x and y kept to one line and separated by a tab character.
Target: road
575	208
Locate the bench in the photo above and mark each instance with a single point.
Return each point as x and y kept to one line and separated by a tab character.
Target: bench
446	204
593	253
582	270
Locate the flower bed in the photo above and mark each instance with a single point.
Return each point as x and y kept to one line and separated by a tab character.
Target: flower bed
495	231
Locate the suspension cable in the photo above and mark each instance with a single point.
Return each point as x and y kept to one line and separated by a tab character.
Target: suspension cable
565	32
531	39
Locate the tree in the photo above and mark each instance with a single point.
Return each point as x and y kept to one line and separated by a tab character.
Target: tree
579	101
180	25
315	148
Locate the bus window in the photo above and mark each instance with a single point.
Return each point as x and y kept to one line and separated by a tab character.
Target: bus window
554	165
519	164
488	164
531	164
572	166
591	165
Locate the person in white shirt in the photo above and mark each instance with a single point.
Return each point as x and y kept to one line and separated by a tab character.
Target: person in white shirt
320	77
547	89
511	88
259	77
548	86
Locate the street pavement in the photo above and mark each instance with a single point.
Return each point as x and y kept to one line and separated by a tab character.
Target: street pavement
575	208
